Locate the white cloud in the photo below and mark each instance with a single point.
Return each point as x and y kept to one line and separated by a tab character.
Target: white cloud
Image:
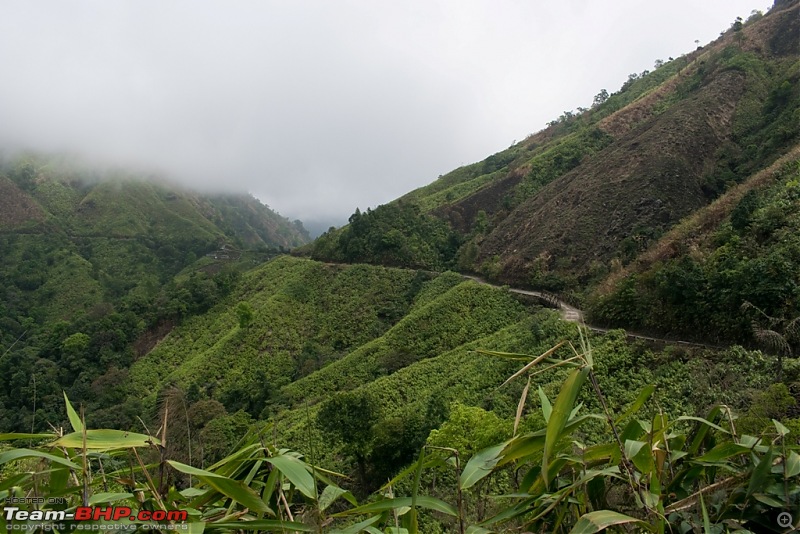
316	106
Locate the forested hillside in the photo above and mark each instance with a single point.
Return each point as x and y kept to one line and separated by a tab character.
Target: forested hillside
580	200
94	265
365	366
161	354
725	273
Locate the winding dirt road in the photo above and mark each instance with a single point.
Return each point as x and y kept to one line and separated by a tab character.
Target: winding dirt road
575	315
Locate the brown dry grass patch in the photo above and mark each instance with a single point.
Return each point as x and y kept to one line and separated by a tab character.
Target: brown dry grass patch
693	229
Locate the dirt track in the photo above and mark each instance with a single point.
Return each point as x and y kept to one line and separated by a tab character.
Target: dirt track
575	315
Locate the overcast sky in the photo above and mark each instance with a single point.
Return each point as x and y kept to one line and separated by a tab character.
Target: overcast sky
317	107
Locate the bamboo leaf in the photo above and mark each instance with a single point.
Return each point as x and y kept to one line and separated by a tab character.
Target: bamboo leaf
269	487
526	445
269	525
521	405
106	440
600	452
639	453
522	447
535	361
297	472
723	451
547	408
232	489
761	473
430	461
601	520
792	464
560	415
505	355
701	420
521	508
480	465
331	493
15	436
108	497
575	411
636	405
701	432
74	418
411	519
13	480
769	501
782	430
423	501
17	454
706	520
632	430
359	527
193	527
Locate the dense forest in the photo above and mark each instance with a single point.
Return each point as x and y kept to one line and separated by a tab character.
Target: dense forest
94	265
163	351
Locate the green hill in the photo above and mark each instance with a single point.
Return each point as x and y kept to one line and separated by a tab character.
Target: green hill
671	206
743	248
403	341
569	205
112	259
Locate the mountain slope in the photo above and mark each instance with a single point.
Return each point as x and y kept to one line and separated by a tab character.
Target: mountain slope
743	248
83	202
404	342
570	204
650	177
95	268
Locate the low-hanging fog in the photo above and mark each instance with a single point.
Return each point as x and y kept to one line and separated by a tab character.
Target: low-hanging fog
317	107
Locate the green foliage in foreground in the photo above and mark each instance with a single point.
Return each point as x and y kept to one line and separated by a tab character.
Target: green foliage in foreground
653	472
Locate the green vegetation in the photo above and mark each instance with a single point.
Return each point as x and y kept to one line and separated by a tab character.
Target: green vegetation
415	395
637	466
111	261
751	256
393	234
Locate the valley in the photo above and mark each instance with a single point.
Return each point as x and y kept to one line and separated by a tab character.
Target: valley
594	329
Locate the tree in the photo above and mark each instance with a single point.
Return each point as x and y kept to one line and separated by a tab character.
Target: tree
245	314
351	417
76	343
777	335
755	15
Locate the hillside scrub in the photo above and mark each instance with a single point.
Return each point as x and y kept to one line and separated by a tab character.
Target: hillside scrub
392	234
113	256
638	466
751	255
588	195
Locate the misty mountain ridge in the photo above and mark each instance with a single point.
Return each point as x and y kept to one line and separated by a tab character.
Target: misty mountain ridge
671	206
64	192
570	207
